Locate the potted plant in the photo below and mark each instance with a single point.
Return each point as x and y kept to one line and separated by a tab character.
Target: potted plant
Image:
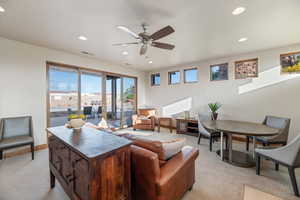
214	107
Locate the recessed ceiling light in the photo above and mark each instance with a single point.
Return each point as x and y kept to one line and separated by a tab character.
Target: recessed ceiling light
243	39
2	9
150	62
125	53
82	38
238	11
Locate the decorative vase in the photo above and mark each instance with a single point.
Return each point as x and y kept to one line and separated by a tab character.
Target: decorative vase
214	116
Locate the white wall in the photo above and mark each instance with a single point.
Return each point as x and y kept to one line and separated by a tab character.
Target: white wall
23	80
281	99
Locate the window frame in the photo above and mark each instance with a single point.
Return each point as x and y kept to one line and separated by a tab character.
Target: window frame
151	79
188	69
169	77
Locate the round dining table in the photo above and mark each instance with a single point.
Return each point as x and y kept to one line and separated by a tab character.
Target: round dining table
231	127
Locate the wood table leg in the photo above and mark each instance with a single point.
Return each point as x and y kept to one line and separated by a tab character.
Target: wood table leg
221	150
158	125
52	180
229	138
254	146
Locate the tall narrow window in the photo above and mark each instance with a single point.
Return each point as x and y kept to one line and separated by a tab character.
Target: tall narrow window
174	77
91	96
63	94
155	79
191	75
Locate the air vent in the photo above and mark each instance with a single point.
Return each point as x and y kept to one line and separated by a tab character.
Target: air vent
87	53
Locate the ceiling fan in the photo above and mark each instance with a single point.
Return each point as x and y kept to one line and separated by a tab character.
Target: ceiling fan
145	39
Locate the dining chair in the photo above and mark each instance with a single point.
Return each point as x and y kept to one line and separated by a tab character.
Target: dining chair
283	124
288	156
213	136
99	111
16	132
87	111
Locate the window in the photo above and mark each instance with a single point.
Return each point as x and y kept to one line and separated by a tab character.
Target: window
174	77
75	92
191	75
155	79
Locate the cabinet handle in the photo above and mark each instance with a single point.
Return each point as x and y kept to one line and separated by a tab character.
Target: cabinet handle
72	179
76	161
57	162
68	175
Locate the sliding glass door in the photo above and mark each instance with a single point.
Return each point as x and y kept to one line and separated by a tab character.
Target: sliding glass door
63	95
91	95
129	100
113	100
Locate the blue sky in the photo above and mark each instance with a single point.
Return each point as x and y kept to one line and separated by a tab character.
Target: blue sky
64	81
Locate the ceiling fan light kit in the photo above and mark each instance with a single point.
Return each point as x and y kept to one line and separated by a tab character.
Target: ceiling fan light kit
147	40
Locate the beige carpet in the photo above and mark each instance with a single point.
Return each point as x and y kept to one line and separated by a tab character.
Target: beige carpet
23	179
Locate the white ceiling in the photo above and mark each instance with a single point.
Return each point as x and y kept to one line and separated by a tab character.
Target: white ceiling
204	29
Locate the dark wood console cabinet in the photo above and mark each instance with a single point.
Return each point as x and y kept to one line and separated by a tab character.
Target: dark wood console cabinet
90	165
187	126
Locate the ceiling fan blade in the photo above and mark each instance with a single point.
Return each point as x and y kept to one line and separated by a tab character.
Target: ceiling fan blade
125	44
162	33
163	45
143	49
127	30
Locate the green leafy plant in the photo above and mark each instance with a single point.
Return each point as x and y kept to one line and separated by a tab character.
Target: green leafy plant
214	107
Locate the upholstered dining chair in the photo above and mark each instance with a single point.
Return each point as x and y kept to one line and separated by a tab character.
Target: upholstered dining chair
16	132
288	156
213	136
275	122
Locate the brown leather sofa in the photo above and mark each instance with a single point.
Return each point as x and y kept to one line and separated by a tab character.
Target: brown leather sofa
145	119
153	179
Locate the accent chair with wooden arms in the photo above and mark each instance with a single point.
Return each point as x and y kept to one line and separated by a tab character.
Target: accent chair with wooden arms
275	122
145	119
16	132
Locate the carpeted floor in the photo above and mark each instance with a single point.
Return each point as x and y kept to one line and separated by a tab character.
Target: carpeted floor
23	179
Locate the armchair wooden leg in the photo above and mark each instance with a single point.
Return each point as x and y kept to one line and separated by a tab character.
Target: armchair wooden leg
32	151
247	143
276	166
293	180
257	164
199	138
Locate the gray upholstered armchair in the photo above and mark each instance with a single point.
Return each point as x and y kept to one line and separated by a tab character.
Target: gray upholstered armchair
275	122
288	156
16	132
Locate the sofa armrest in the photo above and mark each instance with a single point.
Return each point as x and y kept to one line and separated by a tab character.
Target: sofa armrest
134	118
184	159
145	173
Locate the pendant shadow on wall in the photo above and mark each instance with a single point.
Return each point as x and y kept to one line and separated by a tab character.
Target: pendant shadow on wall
267	78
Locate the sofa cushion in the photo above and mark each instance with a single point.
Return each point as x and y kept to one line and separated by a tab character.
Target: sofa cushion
154	146
173	147
165	148
144	121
